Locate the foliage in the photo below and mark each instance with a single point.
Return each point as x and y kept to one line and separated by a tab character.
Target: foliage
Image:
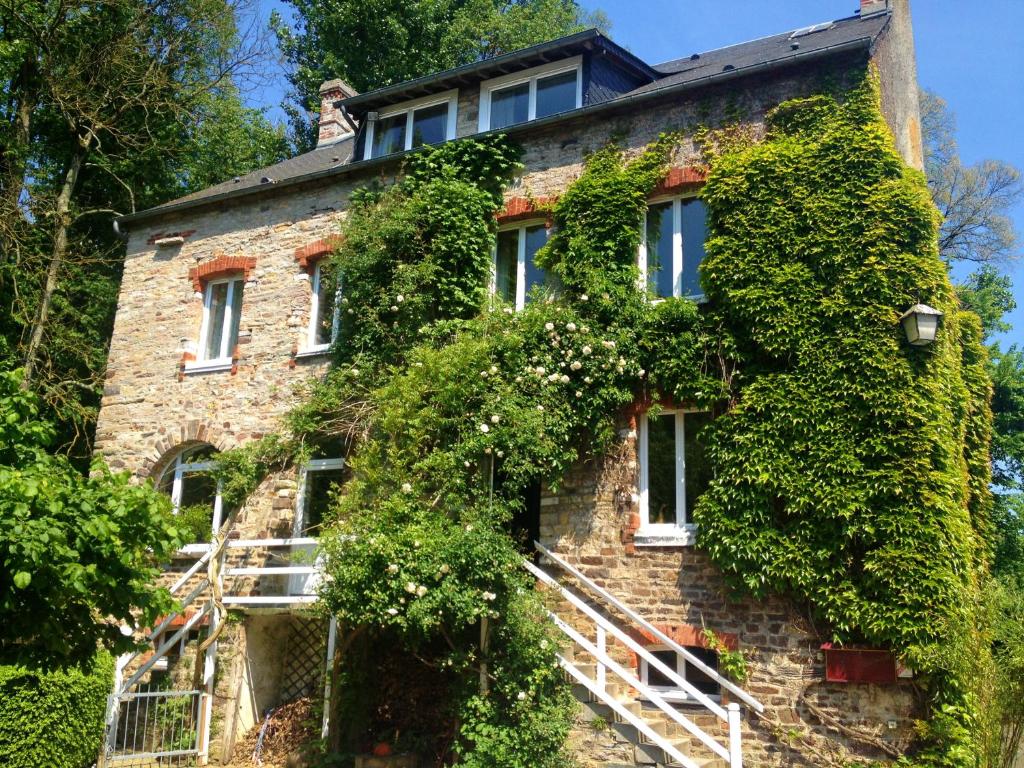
377	43
732	664
78	555
109	107
53	719
975	201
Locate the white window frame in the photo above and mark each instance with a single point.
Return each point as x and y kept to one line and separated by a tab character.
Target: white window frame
311	346
222	361
519	227
313	465
677	246
300	583
180	469
530	76
669	692
678	533
451	98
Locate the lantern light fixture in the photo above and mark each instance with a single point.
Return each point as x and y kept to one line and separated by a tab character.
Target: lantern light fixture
921	323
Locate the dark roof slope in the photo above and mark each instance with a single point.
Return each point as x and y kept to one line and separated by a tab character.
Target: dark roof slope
735	60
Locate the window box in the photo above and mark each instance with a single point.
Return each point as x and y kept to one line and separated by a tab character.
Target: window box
429	120
858	665
532	94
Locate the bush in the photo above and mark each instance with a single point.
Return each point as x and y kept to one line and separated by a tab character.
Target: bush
53	719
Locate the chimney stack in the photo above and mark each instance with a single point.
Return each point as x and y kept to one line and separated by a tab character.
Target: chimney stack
868	7
333	126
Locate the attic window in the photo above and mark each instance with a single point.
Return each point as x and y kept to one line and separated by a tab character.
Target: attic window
811	30
532	94
429	120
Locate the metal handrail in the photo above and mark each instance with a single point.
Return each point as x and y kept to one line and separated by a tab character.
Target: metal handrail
663	638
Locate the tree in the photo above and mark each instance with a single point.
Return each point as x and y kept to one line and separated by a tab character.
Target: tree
373	43
79	555
108	107
974	200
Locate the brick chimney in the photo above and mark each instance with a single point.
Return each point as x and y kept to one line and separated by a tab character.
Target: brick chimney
333	125
868	7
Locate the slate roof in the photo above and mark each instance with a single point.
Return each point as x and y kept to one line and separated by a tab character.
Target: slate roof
734	60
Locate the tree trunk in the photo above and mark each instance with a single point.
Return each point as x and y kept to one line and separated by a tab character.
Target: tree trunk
62	223
14	161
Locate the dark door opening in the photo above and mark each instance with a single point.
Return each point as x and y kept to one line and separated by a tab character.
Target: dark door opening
526	521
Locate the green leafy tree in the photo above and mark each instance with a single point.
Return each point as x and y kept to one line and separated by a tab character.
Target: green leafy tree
79	555
373	43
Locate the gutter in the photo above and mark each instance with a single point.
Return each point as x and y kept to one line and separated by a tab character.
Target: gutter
624	101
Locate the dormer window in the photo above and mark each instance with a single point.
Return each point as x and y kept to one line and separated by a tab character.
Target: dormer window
429	120
531	95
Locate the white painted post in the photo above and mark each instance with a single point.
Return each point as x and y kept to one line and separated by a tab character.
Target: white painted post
735	740
601	669
332	638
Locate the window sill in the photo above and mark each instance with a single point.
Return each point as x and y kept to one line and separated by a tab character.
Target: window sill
684	536
318	351
209	366
681	698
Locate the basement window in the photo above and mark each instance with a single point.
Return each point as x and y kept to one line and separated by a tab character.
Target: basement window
430	120
531	95
674	471
515	272
672	247
654	678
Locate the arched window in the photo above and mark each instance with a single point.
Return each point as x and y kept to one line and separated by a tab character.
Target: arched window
194	492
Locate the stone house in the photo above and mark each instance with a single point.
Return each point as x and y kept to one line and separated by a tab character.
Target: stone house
222	317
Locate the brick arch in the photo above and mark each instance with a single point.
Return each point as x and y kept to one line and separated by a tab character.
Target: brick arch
169	444
682	633
221	266
308	255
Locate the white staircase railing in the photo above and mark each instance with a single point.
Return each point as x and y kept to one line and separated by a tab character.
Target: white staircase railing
604	626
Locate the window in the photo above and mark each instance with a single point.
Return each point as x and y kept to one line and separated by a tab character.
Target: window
323	313
222	311
320	479
515	271
674	471
195	494
700	680
530	95
425	121
672	247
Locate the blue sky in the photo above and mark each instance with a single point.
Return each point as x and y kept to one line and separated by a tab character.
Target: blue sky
971	52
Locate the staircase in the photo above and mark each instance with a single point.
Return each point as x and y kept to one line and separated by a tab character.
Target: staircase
149	724
701	734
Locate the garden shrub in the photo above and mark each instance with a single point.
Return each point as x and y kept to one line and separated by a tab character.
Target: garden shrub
53	719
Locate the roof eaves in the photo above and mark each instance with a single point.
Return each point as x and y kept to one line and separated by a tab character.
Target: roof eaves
646	94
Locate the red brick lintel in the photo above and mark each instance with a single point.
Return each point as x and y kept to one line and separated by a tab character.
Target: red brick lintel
308	254
221	266
686	635
680	179
522	208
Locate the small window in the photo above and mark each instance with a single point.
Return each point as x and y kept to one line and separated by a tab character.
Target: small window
194	493
321	479
703	682
323	312
515	271
222	311
674	471
530	95
413	124
672	247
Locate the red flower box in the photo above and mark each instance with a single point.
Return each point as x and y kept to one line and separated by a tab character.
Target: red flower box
858	665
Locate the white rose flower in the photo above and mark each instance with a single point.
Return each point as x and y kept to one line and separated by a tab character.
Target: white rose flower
392	611
549	326
608	344
576	365
540	407
587	379
355	371
489	596
350	311
469	528
495	419
584	297
406	488
483	374
507	310
484	428
570	326
587	350
393	568
444	568
501	454
410	587
399	298
553	377
494	369
564	379
394	308
521	696
578	393
541	370
421	591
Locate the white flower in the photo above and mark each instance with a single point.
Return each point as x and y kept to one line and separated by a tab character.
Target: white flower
418	364
344	301
622	361
444	568
466	463
501	454
587	350
410	587
392	611
519	379
494	369
406	487
521	696
541	370
576	365
620	369
578	393
642	373
540	407
350	311
495	419
489	596
469	528
487	450
483	374
584	297
394	308
399	298
355	371
553	377
585	328
570	326
587	379
484	428
605	296
421	591
608	344
564	379
543	643
393	568
549	326
507	310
